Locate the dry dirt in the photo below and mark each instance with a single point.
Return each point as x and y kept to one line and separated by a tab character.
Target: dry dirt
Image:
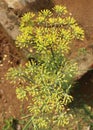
9	57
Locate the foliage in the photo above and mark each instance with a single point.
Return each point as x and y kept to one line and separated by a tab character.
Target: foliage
10	124
82	51
46	80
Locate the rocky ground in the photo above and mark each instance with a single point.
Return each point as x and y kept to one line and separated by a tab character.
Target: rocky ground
10	57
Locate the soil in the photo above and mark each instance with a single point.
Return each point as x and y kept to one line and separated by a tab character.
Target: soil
84	89
10	57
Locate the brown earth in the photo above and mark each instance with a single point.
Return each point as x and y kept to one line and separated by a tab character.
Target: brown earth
9	56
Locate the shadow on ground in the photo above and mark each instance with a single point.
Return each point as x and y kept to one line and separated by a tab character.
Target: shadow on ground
83	90
41	4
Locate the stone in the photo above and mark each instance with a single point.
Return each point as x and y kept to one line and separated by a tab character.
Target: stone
86	128
18	4
15	4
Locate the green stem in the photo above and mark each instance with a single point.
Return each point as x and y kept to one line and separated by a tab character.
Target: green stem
52	53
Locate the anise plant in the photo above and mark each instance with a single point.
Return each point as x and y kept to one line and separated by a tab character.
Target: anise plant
48	76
